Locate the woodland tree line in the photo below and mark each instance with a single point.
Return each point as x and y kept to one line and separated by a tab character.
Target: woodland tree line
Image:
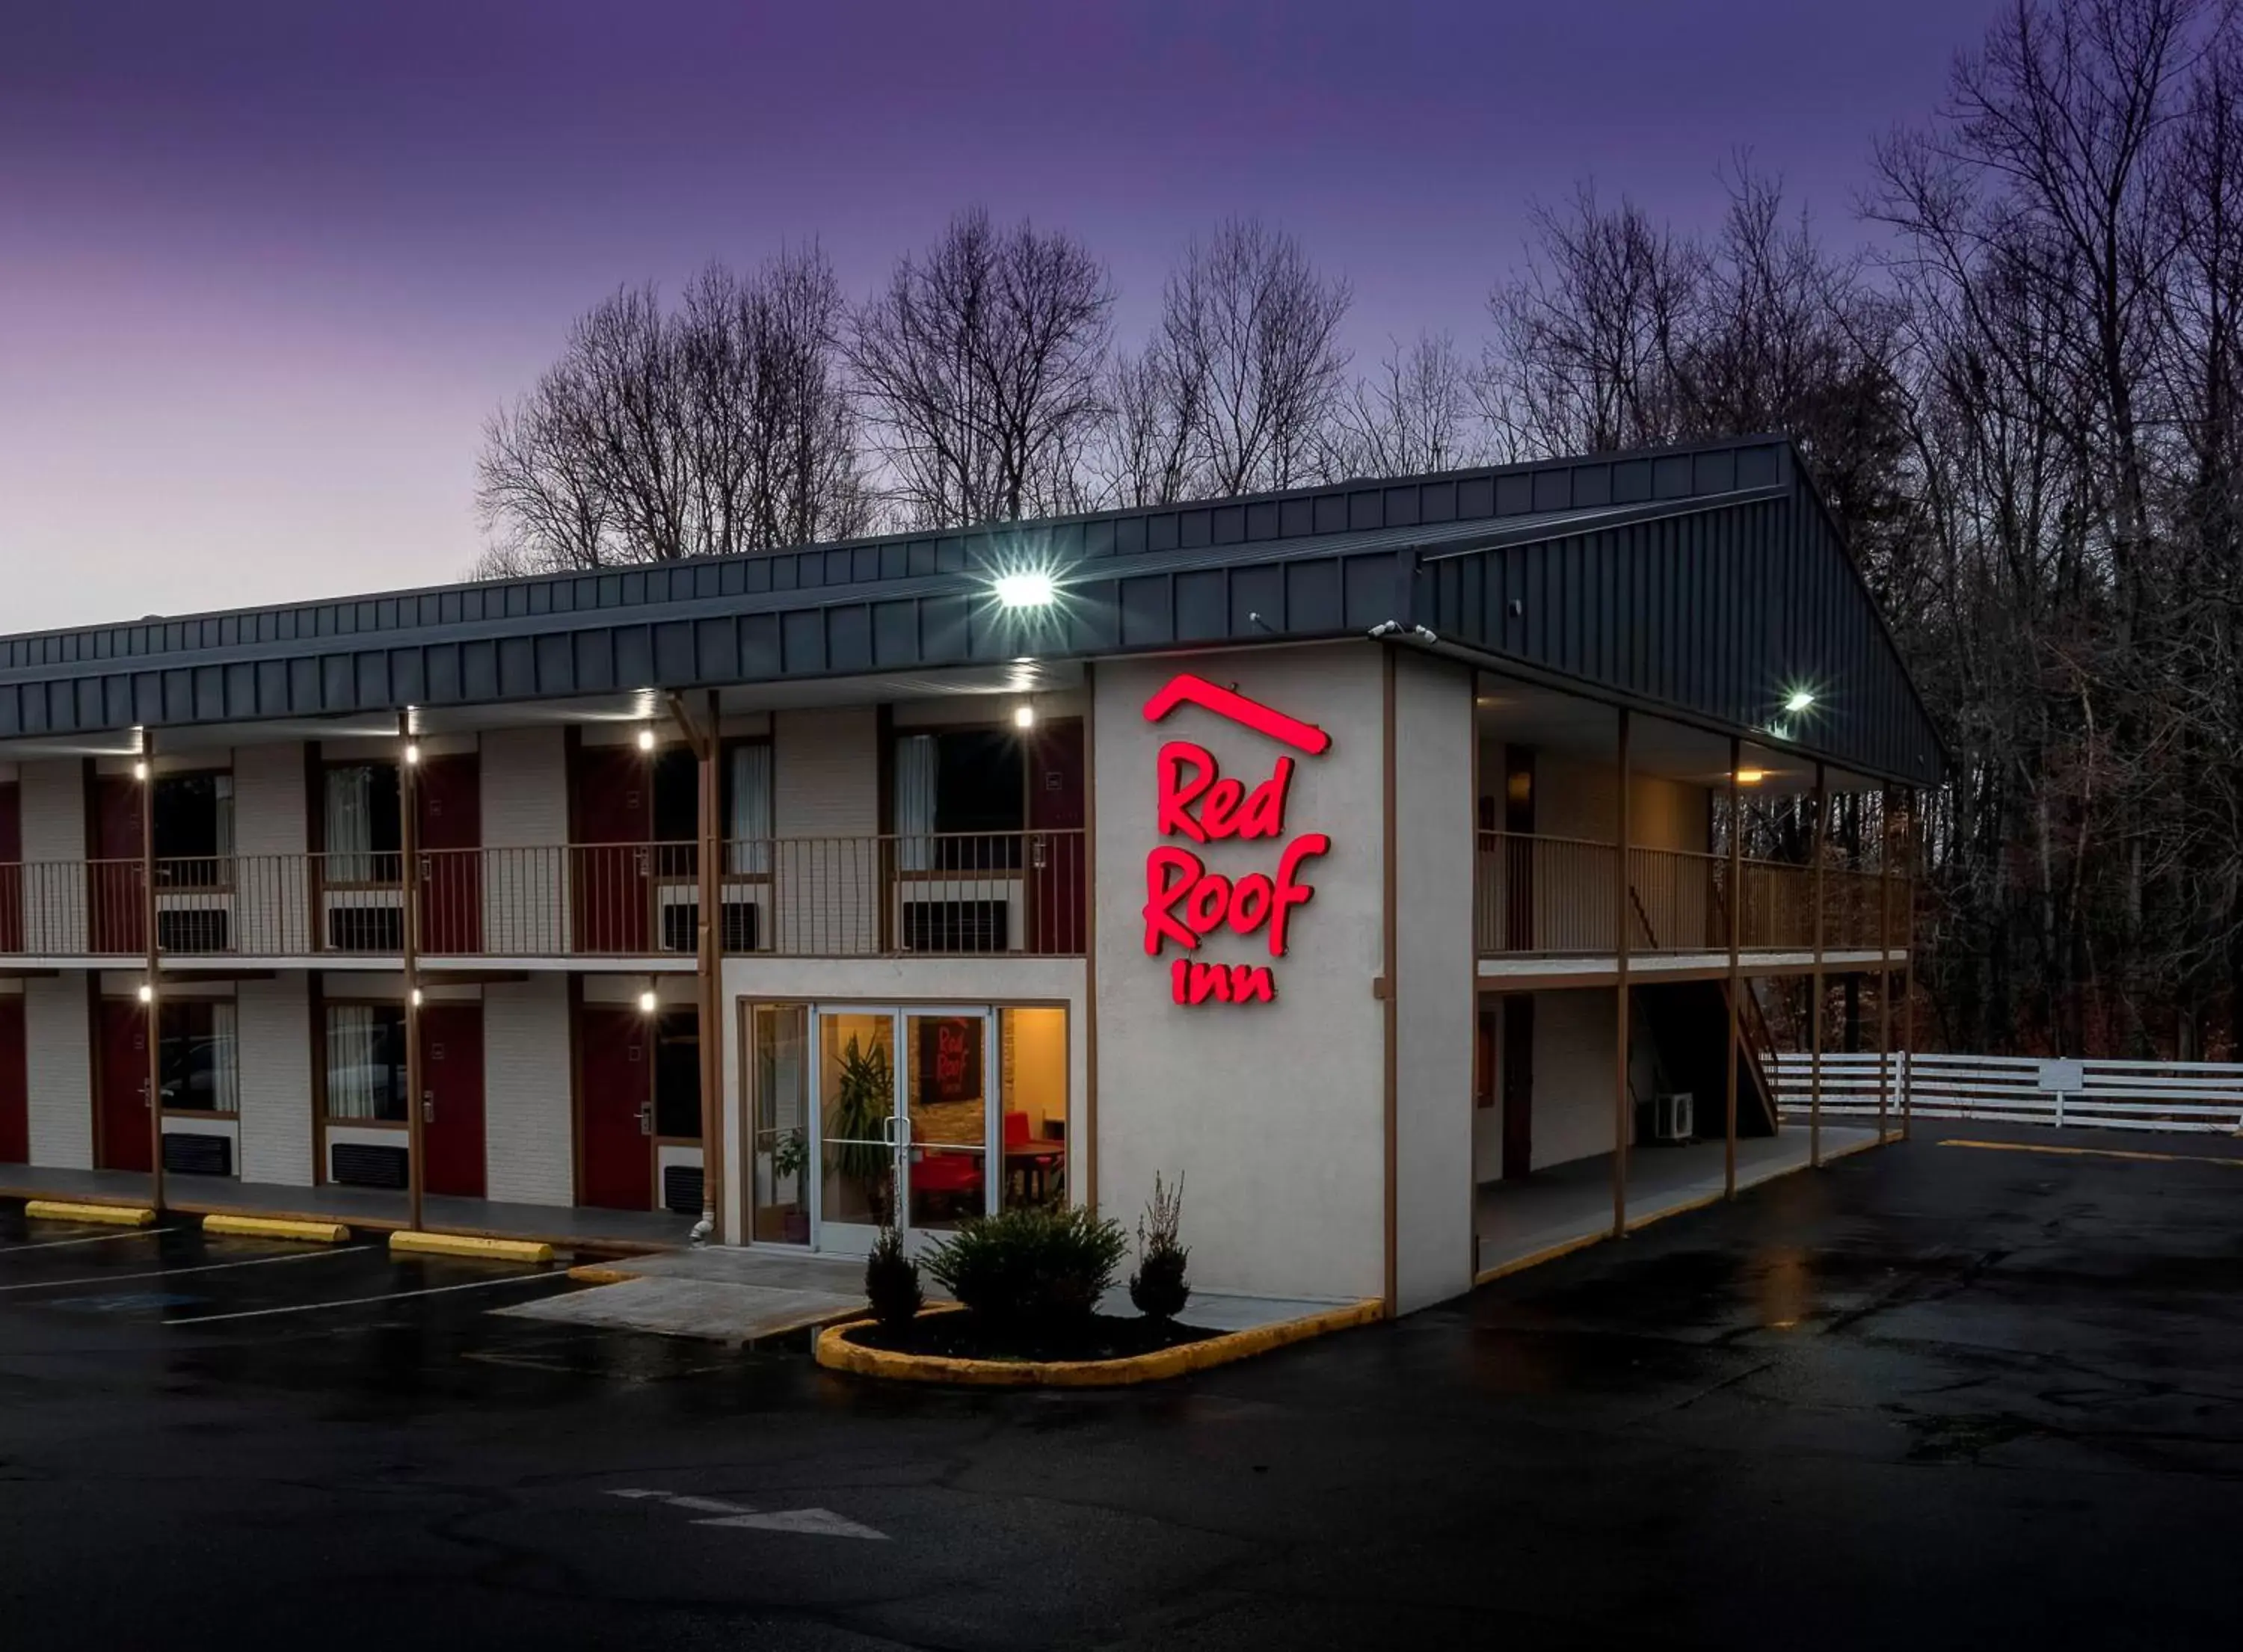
2020	387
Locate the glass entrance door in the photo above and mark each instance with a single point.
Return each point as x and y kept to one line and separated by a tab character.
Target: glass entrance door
906	1115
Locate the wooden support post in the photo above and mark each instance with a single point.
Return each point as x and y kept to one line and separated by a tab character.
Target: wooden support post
711	751
1815	1012
1737	976
1908	968
152	1022
1621	936
1884	955
408	894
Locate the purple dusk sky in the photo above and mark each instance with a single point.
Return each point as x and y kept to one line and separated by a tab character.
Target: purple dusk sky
265	267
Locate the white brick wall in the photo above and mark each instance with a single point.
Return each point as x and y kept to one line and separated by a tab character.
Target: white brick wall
826	784
525	820
53	803
526	1126
273	1020
272	898
58	1064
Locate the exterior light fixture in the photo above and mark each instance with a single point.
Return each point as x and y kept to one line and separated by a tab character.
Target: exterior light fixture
1751	776
1024	716
646	739
141	770
646	1002
413	753
1800	700
416	997
147	993
1028	588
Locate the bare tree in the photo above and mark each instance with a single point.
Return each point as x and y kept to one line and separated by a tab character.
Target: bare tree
1418	413
980	369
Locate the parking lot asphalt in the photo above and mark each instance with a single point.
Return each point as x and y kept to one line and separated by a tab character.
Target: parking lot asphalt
1937	1395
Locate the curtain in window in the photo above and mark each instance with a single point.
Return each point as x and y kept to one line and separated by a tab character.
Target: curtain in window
748	822
916	766
350	825
357	1071
222	807
225	1064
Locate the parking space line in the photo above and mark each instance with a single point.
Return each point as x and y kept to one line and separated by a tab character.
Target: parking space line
96	1239
2093	1152
356	1301
170	1273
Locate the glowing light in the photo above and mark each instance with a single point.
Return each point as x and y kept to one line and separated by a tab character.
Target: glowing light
413	754
140	771
416	997
1027	588
1751	776
646	1003
1800	700
147	993
1024	716
646	739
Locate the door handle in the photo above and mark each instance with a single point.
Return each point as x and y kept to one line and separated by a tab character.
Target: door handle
1042	852
646	1119
428	1104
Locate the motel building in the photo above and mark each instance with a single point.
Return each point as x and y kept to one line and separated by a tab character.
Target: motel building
1356	855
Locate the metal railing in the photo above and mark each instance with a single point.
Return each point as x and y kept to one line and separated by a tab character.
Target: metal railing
1555	896
951	893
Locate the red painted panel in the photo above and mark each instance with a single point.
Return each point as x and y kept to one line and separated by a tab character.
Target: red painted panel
615	1088
1057	887
452	1124
451	826
15	1086
611	821
121	1140
114	897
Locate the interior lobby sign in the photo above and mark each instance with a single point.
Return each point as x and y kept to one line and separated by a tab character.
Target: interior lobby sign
1186	904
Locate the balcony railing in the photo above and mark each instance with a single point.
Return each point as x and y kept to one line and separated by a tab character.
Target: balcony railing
1555	896
1021	894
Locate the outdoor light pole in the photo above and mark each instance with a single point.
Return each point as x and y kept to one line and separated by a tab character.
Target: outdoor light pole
152	1023
1736	977
707	748
409	884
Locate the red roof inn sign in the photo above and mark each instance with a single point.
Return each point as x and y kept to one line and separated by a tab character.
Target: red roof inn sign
1184	902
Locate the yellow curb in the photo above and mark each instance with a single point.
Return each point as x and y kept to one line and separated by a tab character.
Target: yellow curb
1535	1259
590	1273
2093	1152
280	1227
837	1352
51	1210
1687	1207
489	1250
1858	1147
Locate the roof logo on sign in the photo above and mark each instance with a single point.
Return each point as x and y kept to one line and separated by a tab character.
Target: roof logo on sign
1185	688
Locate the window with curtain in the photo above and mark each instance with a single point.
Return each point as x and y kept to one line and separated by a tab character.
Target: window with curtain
364	823
197	1057
366	1062
960	800
748	808
195	829
918	764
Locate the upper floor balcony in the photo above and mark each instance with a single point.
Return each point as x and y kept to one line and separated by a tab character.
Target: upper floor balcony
1018	893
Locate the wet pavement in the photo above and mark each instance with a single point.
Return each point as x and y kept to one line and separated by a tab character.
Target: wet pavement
1937	1395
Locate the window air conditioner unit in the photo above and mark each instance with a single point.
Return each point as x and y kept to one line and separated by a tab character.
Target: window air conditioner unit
1673	1117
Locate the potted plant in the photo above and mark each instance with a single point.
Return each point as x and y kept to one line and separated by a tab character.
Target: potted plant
855	1125
790	1158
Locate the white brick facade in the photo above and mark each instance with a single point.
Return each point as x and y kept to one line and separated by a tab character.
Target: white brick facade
58	1066
52	797
273	1023
527	1123
524	776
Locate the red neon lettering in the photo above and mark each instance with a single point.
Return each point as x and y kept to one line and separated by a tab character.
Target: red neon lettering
1184	688
1189	776
1291	891
1180	789
1192	982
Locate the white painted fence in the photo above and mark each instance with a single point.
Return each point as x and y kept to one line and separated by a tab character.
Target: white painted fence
2024	1089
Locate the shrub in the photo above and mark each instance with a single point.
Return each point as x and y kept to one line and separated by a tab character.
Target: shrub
892	1281
1157	1287
1030	1266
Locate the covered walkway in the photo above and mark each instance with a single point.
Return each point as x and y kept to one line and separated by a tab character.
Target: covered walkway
1519	1223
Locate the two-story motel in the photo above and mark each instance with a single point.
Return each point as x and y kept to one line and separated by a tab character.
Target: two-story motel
1353	853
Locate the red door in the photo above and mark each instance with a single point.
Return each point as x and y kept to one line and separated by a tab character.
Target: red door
12	868
15	1088
612	823
113	892
450	825
452	1102
616	1095
1057	887
121	1140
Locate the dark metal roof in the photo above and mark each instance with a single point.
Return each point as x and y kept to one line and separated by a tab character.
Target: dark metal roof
1695	578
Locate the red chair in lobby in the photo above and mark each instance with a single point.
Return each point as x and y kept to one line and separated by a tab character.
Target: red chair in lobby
947	1180
1032	1162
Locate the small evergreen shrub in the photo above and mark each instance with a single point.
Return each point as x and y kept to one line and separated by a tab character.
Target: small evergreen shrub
1157	1287
892	1281
1032	1266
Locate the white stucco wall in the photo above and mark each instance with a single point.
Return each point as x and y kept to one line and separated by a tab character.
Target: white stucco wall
1273	1113
58	1068
1434	985
273	1020
529	1155
1573	1040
